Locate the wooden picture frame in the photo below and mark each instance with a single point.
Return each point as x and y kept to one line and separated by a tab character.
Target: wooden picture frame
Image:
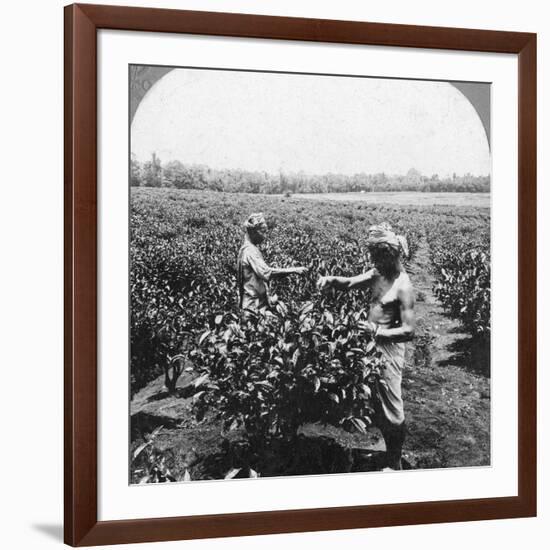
82	22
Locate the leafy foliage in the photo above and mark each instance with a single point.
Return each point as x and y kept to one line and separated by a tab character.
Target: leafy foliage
462	263
148	465
464	289
276	371
271	373
183	250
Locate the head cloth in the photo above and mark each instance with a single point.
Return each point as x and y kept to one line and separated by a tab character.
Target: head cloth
255	221
383	234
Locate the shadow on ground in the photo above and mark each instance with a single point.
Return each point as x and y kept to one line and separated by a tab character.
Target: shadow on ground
303	455
471	354
52	530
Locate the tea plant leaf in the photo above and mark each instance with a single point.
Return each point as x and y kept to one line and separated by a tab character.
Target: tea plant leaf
204	336
232	473
139	449
359	425
316	384
201	380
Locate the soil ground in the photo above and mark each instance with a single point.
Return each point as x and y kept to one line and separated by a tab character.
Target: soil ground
447	407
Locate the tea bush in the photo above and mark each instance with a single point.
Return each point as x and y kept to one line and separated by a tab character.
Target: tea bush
462	264
275	371
184	246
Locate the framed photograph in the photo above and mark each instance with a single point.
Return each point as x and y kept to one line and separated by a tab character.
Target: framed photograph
300	274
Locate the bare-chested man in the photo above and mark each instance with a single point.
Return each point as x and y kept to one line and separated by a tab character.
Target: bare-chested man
391	321
253	273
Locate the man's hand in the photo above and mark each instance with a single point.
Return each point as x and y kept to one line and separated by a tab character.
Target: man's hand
346	283
300	270
367	326
324	283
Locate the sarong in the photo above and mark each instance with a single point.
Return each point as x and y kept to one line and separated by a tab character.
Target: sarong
391	401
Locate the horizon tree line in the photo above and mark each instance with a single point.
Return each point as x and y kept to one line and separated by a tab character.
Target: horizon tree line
177	175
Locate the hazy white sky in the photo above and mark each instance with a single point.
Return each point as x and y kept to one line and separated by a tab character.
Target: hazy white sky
315	124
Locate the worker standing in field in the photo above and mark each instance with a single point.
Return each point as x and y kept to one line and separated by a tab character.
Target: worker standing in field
253	274
391	323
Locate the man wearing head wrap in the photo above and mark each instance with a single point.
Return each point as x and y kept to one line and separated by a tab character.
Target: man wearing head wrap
253	274
391	322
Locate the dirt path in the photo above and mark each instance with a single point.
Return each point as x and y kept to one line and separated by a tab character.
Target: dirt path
447	402
429	313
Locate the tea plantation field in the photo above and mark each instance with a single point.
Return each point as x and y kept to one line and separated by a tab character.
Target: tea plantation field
303	397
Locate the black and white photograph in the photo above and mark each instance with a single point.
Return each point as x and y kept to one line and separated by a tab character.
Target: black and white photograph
310	274
275	274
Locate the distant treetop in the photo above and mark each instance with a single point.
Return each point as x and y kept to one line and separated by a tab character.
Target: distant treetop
175	174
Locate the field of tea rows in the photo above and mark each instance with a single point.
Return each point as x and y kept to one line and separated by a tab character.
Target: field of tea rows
183	299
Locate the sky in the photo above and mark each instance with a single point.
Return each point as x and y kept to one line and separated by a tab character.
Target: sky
308	123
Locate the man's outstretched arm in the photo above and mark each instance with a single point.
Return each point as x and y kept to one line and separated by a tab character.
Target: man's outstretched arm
284	271
346	283
266	272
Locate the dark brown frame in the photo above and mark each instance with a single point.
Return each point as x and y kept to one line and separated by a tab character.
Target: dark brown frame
80	270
